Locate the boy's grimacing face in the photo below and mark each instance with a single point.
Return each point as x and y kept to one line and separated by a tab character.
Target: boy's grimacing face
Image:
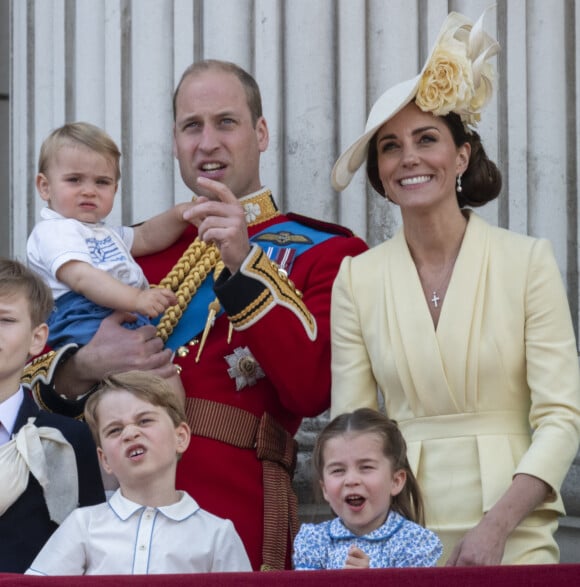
138	440
19	339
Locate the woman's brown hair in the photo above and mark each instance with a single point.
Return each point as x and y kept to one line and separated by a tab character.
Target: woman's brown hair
481	182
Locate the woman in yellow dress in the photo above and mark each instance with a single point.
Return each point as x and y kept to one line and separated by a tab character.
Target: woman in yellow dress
462	327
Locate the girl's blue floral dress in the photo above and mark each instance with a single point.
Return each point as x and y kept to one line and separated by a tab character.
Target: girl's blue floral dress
397	543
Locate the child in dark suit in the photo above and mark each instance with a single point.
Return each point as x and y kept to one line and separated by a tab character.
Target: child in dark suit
48	463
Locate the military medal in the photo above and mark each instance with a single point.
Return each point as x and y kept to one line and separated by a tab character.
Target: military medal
244	368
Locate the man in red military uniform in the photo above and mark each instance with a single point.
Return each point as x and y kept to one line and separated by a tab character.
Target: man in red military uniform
251	331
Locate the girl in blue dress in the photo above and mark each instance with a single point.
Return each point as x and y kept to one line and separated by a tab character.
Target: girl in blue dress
360	462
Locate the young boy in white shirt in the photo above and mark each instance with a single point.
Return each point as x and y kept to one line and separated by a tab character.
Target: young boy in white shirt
148	526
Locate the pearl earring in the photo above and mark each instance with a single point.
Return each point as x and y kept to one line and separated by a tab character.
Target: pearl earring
459	188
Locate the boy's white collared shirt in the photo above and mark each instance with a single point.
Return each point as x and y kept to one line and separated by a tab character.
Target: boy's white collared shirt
121	537
8	414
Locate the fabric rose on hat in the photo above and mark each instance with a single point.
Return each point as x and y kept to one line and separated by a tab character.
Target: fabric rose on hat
457	78
447	83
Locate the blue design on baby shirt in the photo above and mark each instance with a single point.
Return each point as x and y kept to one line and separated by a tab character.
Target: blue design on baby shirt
104	250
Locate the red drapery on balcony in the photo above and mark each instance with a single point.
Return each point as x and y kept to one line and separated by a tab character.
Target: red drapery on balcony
514	576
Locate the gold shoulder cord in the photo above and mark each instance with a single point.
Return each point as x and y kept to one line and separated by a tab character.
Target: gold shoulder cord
184	279
195	265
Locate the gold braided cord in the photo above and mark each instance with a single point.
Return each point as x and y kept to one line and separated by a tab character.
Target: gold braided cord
184	279
219	267
199	259
212	311
188	259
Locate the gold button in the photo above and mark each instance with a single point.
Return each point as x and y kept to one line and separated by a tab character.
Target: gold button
182	351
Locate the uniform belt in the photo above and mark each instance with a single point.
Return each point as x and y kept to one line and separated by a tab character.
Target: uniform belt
276	448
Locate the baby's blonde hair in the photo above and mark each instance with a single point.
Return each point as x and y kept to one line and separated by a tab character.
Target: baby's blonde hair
79	133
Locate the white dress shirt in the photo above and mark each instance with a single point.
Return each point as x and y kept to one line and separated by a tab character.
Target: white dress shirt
103	246
8	413
121	537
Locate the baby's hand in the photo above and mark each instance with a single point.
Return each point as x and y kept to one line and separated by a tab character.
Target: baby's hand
356	559
151	302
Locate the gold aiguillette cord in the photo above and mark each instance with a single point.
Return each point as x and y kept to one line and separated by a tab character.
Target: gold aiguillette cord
213	309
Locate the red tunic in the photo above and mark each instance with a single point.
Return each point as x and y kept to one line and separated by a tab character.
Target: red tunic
287	333
226	480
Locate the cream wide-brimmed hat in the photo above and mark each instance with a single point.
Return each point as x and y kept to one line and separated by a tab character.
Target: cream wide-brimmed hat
455	78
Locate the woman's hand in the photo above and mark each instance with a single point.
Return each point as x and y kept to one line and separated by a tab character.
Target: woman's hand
485	544
481	546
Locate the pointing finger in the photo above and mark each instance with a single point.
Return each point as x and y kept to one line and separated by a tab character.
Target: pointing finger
219	189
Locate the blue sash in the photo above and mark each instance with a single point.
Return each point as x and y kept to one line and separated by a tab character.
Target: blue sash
275	241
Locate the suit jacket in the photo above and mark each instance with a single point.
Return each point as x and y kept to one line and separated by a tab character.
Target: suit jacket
493	391
26	525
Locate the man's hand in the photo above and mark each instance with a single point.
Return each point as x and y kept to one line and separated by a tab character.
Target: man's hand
356	559
221	221
114	349
118	349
